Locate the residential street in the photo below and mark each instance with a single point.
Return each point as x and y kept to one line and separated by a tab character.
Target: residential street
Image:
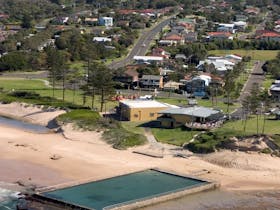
142	45
256	76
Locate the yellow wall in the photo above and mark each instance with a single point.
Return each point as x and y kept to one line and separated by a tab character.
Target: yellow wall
181	118
141	114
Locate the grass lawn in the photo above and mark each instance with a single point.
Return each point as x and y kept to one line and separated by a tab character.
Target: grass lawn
134	127
271	126
175	136
268	81
261	55
39	87
201	102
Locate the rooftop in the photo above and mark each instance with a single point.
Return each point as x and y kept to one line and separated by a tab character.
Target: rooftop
145	104
197	111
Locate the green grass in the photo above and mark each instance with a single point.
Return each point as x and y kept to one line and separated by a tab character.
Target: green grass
175	136
268	81
211	141
134	127
87	119
38	86
261	55
271	126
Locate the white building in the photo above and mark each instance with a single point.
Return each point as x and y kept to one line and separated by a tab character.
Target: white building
101	39
148	59
106	21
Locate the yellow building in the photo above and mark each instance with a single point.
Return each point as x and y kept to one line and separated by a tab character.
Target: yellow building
141	110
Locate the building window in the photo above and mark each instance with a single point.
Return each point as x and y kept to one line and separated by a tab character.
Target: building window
152	114
135	115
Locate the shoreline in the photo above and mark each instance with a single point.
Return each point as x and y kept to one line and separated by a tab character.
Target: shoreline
86	157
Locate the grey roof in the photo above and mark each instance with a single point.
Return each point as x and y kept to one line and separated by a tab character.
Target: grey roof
151	77
196	111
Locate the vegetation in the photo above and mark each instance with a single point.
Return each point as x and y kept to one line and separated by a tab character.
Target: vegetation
211	141
175	136
262	55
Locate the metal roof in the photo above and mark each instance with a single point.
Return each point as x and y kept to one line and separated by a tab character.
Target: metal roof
196	111
145	104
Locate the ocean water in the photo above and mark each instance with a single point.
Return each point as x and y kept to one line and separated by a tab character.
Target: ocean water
23	125
8	200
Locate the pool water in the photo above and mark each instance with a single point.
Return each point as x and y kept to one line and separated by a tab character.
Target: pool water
126	188
23	125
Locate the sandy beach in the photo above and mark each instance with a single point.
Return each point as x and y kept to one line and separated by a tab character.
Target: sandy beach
83	156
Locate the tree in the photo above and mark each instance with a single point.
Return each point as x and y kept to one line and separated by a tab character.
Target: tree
229	87
100	79
56	61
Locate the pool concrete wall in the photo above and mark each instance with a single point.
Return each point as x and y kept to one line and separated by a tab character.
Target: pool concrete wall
134	204
164	198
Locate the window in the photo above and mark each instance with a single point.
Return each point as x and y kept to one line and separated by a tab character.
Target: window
152	114
135	115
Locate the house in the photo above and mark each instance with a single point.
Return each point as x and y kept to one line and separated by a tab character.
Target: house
174	39
197	116
101	39
129	78
160	52
148	59
275	91
226	27
190	37
221	65
218	35
198	85
105	21
180	57
91	21
240	25
151	81
241	18
269	36
171	85
141	110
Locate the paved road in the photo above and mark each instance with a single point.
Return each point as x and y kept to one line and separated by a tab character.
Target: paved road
141	47
256	76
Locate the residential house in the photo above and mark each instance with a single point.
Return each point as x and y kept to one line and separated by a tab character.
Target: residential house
148	59
105	21
241	18
174	39
275	90
129	78
180	57
197	85
160	52
141	110
91	21
101	39
151	81
226	27
197	116
190	37
240	25
269	36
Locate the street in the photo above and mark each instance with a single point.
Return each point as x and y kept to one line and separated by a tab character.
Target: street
142	45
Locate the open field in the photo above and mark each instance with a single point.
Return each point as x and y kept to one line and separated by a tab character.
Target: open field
271	126
175	136
40	87
261	55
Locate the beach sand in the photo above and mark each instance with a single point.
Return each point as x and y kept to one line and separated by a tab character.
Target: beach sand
84	156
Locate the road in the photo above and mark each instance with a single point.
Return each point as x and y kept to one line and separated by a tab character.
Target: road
256	76
142	45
